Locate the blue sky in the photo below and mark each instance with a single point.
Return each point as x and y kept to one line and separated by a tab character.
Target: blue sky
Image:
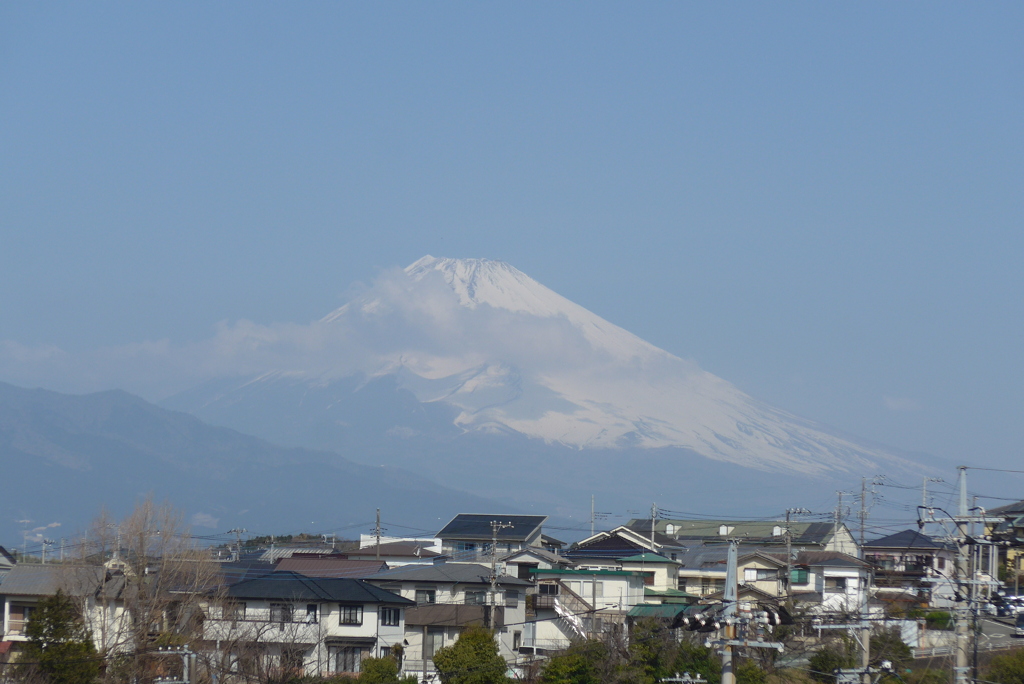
819	202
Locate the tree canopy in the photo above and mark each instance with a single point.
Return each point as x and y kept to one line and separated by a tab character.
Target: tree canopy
59	648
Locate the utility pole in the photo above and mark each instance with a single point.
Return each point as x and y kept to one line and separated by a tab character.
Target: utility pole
238	532
865	628
62	549
730	596
376	531
591	515
789	548
654	517
960	670
730	599
835	521
495	526
46	542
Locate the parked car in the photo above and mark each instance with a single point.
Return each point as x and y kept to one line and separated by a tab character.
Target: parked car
1019	630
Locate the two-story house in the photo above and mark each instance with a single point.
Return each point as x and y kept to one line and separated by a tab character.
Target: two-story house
469	537
448	598
579	603
910	562
288	624
97	591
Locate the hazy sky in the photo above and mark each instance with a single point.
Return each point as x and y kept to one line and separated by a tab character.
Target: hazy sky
819	202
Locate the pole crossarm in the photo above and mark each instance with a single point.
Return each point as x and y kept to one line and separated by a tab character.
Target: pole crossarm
747	643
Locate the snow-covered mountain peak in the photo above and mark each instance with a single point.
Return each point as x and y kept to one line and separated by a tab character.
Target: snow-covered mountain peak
502	286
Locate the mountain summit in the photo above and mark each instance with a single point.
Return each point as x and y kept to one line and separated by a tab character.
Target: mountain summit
484	349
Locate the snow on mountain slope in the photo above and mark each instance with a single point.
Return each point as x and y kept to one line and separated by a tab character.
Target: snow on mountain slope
511	354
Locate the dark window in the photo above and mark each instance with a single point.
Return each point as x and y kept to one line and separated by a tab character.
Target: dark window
385	651
280	612
350	615
548	589
311	613
434	641
348	658
390	617
291	661
524	570
511	598
234	610
426	596
475	598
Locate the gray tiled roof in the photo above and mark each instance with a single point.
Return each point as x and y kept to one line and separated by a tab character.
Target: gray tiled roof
907	539
461	573
295	587
26	579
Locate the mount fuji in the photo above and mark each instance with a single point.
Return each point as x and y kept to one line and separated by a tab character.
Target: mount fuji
471	371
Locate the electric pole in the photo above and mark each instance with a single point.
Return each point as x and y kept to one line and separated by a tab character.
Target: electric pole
238	532
495	526
789	548
729	597
960	671
376	531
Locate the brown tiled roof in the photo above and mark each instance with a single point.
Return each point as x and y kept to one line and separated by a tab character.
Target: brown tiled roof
331	567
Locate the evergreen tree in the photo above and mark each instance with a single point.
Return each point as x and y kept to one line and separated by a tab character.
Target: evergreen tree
473	659
59	646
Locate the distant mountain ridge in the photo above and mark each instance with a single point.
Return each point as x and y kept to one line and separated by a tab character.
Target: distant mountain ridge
64	456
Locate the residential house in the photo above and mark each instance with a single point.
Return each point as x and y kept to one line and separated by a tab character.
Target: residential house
331	566
7	562
807	536
702	570
448	598
1011	529
470	536
286	624
399	552
830	582
576	603
520	563
97	591
914	564
605	548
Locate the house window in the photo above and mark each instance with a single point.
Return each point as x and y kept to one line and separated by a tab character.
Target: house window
20	614
385	651
465	547
648	579
390	617
476	598
433	642
280	612
347	658
517	640
233	610
548	589
311	613
798	576
941	562
524	570
426	596
511	598
759	575
350	615
835	584
291	661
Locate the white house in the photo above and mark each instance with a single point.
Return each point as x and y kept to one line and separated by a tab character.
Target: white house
576	603
93	587
448	598
290	624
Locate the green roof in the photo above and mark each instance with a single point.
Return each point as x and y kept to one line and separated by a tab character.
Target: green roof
646	558
573	571
665	610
